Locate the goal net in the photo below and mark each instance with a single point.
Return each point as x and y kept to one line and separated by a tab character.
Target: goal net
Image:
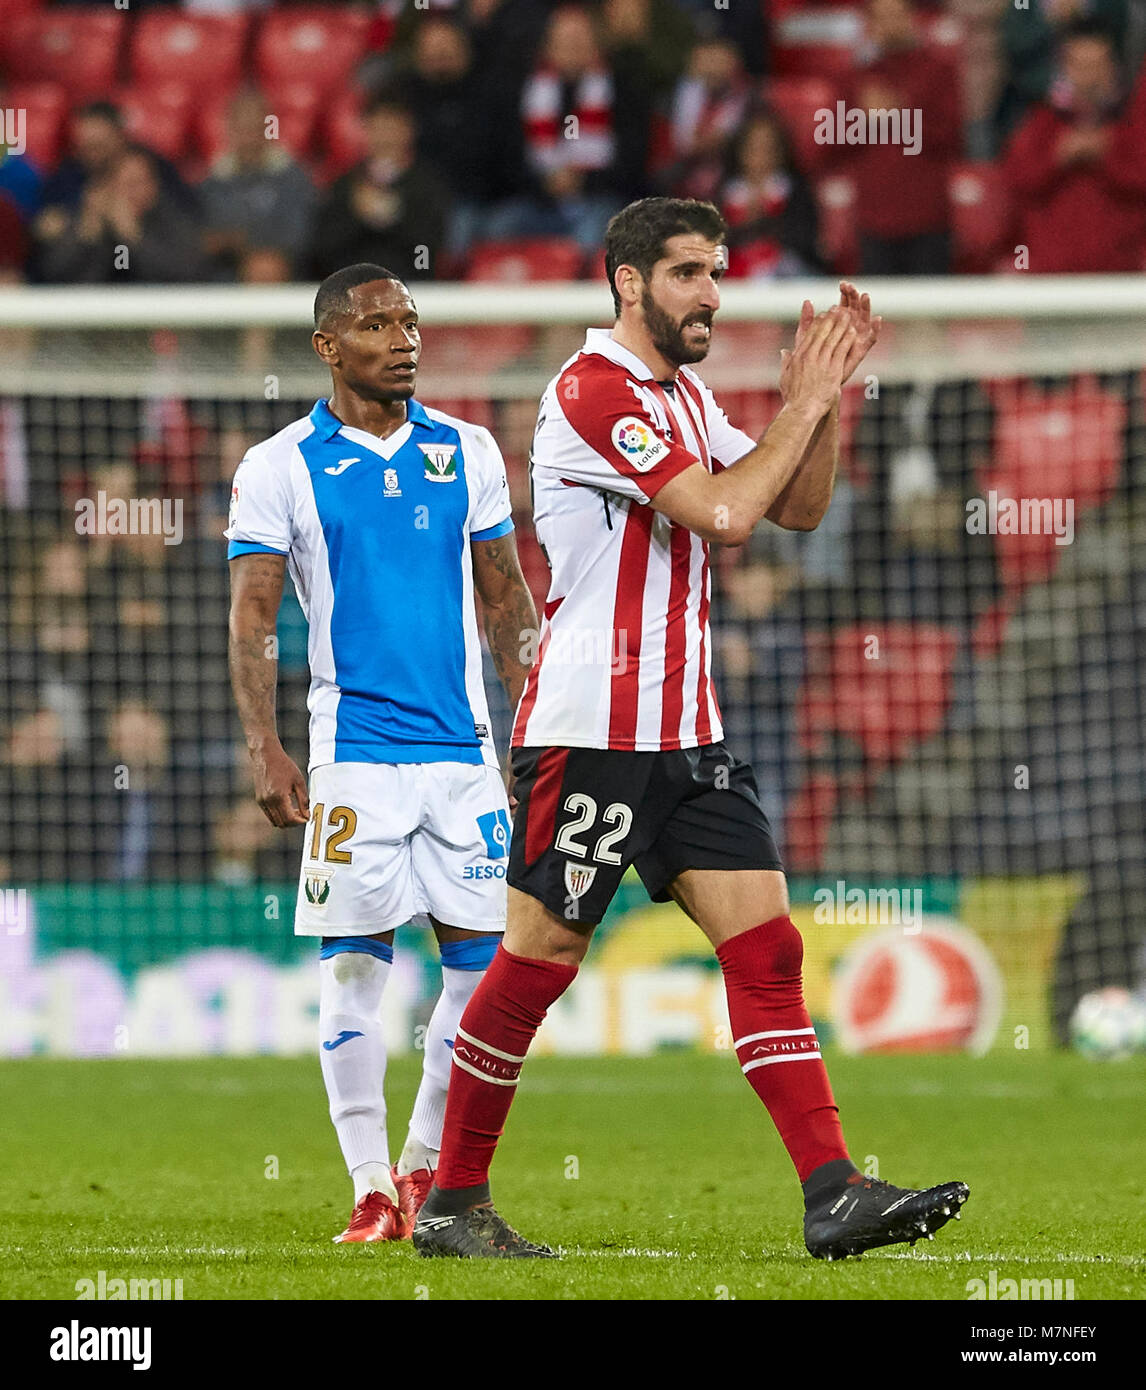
940	689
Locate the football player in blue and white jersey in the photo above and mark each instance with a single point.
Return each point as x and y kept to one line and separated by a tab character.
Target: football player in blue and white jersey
388	515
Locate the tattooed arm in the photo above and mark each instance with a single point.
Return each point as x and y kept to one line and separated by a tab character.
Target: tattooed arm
510	617
256	591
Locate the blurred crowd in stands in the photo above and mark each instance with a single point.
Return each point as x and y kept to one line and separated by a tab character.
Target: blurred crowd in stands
228	140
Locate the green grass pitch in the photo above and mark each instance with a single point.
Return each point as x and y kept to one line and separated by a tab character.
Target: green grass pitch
659	1178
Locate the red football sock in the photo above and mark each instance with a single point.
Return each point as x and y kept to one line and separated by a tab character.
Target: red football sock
494	1034
776	1044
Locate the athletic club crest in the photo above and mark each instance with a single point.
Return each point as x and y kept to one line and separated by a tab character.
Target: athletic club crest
441	466
578	878
316	885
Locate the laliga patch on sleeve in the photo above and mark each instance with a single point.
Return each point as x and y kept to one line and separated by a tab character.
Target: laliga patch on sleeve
233	510
635	441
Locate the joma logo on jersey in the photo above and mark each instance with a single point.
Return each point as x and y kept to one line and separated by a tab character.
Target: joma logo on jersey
637	444
317	887
441	466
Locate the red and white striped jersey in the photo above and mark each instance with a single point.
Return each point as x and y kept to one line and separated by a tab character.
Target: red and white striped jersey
624	656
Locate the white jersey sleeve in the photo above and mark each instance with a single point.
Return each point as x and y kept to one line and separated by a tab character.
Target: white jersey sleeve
598	429
261	514
490	511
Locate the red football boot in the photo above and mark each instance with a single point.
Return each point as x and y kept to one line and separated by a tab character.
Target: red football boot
413	1189
376	1218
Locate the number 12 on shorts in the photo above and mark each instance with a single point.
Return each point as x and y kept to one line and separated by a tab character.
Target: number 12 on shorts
342	823
584	809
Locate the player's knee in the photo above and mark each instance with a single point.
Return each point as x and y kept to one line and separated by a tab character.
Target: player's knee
471	954
354	971
784	947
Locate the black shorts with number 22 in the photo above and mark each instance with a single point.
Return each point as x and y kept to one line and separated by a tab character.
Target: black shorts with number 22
585	814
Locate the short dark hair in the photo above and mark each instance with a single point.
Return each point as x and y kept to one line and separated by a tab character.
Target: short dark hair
391	96
1088	27
636	236
333	295
101	110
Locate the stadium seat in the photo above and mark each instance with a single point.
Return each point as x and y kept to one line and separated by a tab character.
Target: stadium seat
515	262
158	117
342	135
47	106
839	242
325	44
296	106
13	237
77	48
886	686
813	42
472	354
1064	443
478	411
796	101
980	216
206	50
11	9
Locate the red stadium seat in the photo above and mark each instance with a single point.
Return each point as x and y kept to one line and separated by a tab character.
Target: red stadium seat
796	101
515	262
810	42
13	237
887	686
839	241
78	48
47	106
295	106
808	822
158	117
477	410
472	353
342	135
1062	443
206	50
323	44
10	9
980	216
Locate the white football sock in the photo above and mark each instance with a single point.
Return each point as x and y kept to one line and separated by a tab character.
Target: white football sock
425	1138
349	1014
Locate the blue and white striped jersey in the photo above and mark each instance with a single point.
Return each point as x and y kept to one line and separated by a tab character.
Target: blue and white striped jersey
376	533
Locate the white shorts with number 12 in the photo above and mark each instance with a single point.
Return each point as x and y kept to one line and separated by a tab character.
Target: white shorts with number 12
390	843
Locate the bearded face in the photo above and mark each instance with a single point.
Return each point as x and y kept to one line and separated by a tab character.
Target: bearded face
680	341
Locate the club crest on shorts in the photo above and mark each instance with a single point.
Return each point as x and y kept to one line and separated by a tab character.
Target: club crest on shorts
579	878
441	466
316	885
